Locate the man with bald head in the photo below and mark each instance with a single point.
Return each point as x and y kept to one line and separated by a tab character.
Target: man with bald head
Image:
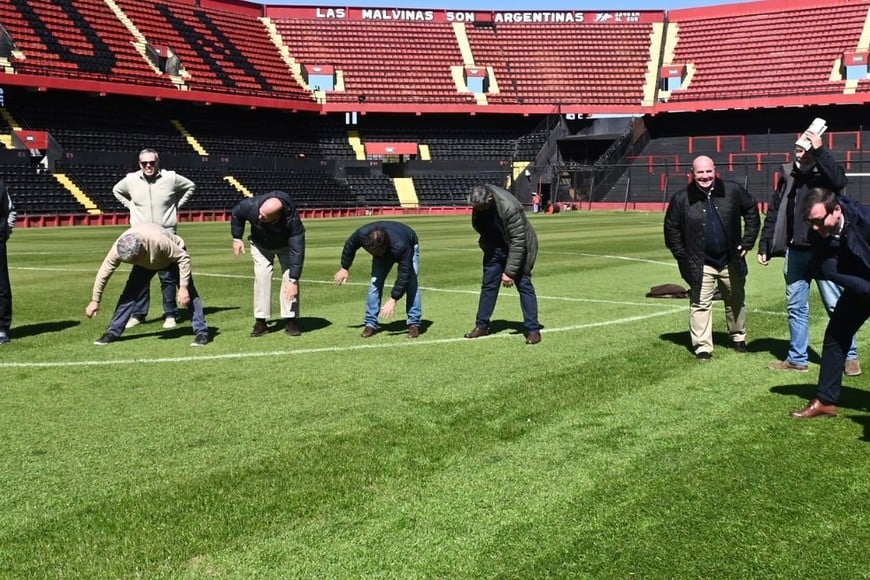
703	231
276	232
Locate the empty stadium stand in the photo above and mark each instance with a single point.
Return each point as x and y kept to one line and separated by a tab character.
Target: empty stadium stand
766	49
421	104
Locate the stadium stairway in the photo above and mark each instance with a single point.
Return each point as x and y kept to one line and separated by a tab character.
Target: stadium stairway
284	51
238	185
77	193
406	191
189	138
356	144
13	125
863	46
468	61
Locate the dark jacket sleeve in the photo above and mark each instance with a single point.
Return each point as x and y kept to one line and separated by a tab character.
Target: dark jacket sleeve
751	219
515	230
673	228
405	267
767	230
830	169
296	246
238	218
348	253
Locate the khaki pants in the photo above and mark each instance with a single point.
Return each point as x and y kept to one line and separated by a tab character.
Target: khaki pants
263	268
731	286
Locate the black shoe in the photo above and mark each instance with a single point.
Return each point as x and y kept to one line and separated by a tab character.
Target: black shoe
260	328
741	347
4	338
200	340
106	339
291	329
703	355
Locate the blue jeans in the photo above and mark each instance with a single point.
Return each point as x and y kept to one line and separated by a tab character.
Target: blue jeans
167	288
137	285
797	296
494	262
413	306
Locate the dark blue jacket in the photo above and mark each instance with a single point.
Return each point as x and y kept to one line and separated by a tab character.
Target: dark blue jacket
286	232
401	241
846	260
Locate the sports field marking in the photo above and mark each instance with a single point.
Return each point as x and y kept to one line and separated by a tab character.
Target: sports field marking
368	346
330	282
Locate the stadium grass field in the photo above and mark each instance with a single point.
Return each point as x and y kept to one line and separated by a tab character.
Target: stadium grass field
607	451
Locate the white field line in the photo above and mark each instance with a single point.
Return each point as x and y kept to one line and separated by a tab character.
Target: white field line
426	288
368	346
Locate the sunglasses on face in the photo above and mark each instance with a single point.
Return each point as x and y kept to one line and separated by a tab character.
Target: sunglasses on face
819	221
147	163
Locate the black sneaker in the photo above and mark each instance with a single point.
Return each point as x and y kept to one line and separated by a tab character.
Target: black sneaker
741	347
703	355
105	339
260	328
200	340
4	338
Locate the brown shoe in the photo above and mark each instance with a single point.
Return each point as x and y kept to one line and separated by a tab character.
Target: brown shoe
814	409
477	332
259	329
852	368
291	329
368	332
533	337
787	365
413	331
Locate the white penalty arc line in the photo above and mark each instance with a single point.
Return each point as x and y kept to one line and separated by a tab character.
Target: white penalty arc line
425	288
368	346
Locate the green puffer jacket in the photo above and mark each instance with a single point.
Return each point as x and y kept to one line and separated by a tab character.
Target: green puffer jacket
518	236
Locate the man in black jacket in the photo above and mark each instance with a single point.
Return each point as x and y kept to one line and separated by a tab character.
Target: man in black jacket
276	231
510	248
841	253
785	234
7	222
703	231
389	243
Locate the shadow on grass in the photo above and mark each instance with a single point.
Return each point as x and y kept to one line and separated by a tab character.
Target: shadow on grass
720	340
864	421
850	398
396	327
779	349
41	328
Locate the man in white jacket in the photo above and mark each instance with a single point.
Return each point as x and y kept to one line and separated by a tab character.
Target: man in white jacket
153	195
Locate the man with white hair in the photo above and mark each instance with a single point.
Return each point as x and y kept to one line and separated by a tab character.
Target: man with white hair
149	248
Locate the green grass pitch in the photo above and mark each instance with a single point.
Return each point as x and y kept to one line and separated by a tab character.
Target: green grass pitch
606	451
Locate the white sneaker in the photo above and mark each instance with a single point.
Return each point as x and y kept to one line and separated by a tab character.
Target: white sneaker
132	322
169	322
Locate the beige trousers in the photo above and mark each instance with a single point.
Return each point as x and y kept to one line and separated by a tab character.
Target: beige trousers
731	286
263	267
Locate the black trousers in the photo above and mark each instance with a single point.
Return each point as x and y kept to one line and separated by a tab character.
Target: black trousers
850	313
5	290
